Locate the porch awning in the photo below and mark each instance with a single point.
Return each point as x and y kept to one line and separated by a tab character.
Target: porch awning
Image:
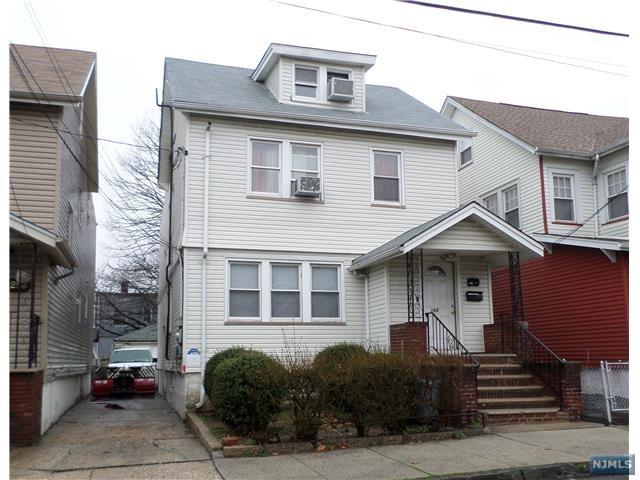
497	236
51	245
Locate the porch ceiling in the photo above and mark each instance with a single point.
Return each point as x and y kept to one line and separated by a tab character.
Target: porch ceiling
469	230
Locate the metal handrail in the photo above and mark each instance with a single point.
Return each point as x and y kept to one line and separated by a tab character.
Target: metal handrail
444	342
534	354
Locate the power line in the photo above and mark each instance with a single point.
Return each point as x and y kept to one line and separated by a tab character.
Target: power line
511	17
446	37
567	235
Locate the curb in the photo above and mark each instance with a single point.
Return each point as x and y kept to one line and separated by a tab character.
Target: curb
537	472
208	441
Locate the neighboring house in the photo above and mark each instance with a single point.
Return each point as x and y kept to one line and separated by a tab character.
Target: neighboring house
119	313
306	208
146	337
561	177
53	170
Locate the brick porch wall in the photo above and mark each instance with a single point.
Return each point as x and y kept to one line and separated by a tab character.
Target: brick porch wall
25	406
409	338
571	390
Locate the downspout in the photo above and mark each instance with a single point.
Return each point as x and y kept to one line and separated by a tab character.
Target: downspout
205	251
595	194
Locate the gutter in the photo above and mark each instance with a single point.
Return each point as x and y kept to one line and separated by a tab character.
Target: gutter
595	194
203	281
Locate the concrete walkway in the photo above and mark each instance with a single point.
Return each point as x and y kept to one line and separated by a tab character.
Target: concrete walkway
143	440
520	447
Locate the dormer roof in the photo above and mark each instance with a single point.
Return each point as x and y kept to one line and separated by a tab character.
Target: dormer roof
278	50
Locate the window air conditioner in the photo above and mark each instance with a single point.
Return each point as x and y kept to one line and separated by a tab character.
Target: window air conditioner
340	90
306	187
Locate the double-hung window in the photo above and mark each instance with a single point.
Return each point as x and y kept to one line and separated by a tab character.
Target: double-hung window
387	177
265	166
244	290
325	292
491	203
563	199
306	82
617	194
511	205
305	160
285	291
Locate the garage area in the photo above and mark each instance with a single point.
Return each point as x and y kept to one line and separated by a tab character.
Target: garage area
114	438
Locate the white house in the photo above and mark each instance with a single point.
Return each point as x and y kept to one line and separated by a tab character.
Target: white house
306	206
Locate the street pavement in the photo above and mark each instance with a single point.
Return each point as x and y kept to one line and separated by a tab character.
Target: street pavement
145	439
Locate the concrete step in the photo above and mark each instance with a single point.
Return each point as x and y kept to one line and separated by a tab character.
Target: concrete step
518	402
499	369
508	416
501	358
514	380
511	391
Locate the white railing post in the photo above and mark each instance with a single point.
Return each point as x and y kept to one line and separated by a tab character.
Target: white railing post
606	389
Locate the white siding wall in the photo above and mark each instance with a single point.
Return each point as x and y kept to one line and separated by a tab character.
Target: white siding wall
496	163
468	235
608	164
345	222
474	314
264	336
272	82
378	307
287	69
581	171
398	290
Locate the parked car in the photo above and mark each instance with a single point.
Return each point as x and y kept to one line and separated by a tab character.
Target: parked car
130	371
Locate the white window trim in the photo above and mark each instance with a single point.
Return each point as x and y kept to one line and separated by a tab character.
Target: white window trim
264	274
461	147
299	291
575	191
503	202
607	197
250	190
306	84
340	292
500	192
285	168
401	202
321	88
261	305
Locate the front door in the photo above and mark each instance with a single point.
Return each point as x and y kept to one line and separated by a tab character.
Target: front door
438	295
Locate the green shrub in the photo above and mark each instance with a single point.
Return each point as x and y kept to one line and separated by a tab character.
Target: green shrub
338	354
303	391
213	363
248	392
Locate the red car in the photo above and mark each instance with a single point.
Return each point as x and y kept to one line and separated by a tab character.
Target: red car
130	371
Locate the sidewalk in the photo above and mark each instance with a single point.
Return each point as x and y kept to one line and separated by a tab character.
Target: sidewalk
516	447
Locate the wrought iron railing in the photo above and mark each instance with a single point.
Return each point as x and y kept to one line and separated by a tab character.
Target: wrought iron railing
533	353
443	341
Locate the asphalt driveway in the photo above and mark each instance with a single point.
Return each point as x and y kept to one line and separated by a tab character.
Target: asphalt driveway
143	439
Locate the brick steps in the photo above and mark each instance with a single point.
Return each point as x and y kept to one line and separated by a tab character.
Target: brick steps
507	393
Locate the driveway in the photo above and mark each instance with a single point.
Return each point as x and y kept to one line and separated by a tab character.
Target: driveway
143	439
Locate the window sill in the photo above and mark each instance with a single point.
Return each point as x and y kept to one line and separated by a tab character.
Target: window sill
283	323
309	200
564	222
387	205
465	165
616	220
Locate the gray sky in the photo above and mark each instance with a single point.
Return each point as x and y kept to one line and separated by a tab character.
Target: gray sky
132	39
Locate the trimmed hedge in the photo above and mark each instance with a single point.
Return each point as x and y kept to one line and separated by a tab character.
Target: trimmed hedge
213	363
248	392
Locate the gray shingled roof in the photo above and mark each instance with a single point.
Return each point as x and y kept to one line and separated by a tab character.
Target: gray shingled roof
555	130
37	62
145	334
230	89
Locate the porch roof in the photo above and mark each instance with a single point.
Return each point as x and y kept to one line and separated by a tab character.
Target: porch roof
51	245
417	236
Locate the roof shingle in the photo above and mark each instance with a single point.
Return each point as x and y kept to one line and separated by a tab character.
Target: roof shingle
555	130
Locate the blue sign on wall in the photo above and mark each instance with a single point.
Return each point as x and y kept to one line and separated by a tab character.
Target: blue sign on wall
612	464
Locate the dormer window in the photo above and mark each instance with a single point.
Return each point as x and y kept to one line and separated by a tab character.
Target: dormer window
306	82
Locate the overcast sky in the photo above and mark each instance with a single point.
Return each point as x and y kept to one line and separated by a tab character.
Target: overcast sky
132	38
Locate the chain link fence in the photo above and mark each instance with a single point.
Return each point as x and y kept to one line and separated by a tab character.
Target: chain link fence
605	392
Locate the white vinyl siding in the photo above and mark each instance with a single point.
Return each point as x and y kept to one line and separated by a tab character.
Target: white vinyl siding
287	85
343	222
497	162
272	82
468	236
269	336
378	307
474	315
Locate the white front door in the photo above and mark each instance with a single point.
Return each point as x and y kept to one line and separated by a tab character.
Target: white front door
438	294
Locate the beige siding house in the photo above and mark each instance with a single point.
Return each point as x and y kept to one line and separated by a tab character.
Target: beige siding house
296	195
53	173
